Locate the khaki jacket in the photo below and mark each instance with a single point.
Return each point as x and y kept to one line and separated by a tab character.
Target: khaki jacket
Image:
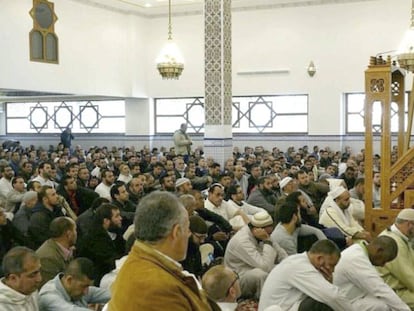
399	273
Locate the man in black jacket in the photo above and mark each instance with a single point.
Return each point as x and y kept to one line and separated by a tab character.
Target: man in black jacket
44	212
120	198
103	244
192	262
10	236
78	198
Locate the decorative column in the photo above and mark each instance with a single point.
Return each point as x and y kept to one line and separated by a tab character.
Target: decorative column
218	140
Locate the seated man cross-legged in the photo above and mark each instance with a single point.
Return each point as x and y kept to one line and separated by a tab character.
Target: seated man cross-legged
252	254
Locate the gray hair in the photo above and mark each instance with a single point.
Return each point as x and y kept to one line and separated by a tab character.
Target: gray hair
156	216
187	200
14	260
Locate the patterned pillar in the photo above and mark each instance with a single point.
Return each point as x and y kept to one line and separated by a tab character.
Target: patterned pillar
218	140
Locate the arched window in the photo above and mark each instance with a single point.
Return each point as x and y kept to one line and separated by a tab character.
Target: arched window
43	40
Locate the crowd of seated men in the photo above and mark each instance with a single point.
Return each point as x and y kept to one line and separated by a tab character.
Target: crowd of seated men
68	221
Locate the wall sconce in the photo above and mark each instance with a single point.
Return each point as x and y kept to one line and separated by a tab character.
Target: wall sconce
311	69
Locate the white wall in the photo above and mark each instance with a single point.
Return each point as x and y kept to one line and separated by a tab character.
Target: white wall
339	38
98	51
109	53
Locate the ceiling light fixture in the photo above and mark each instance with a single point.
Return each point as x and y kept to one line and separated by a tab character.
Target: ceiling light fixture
405	52
170	63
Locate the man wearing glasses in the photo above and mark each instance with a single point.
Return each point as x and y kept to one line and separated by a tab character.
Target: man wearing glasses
223	286
192	262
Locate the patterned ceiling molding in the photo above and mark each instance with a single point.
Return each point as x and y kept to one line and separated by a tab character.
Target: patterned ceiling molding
284	5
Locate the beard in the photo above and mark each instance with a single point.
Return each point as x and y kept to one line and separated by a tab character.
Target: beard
170	188
267	191
114	228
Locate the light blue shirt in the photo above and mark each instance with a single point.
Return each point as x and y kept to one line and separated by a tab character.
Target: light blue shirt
53	297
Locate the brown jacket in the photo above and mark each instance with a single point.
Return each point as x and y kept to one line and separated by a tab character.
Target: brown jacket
52	259
149	281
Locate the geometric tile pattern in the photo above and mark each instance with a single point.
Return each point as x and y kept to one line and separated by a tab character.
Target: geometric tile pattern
217	66
63	116
38	117
89	116
377	85
401	176
395	88
250	114
403	173
193	108
260	114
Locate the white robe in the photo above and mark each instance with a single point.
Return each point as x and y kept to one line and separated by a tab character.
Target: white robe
294	279
362	284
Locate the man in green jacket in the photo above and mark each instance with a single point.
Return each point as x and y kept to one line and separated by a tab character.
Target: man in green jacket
399	273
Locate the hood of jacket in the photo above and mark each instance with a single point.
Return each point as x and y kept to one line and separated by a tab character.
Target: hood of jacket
9	296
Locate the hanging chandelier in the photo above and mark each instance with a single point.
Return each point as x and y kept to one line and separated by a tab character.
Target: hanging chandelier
406	50
170	63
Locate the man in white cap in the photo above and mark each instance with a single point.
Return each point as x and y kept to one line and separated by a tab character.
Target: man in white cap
252	254
183	186
337	214
399	273
287	186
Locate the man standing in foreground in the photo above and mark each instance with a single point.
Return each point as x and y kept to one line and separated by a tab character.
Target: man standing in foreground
302	282
151	278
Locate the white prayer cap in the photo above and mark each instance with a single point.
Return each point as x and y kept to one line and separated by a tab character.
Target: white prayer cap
261	219
406	214
181	181
337	192
284	182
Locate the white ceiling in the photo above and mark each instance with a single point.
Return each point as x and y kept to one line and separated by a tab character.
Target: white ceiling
153	8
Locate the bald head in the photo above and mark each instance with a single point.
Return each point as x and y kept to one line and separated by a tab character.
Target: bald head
381	250
220	284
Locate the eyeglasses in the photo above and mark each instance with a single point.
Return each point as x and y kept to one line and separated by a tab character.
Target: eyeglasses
200	236
232	283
